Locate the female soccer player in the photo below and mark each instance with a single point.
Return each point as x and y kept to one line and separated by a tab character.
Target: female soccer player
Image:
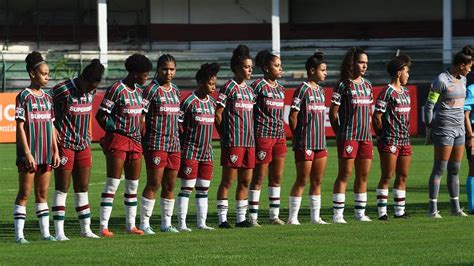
73	105
391	122
234	122
469	122
349	115
270	137
161	144
198	111
120	115
446	96
36	150
306	121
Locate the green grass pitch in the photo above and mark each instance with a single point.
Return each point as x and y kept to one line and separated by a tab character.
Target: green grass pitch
417	240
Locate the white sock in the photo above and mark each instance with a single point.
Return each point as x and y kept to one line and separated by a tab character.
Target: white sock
19	216
382	198
107	199
399	198
81	203
254	198
274	202
145	212
130	203
167	206
42	212
222	209
187	186
201	202
314	207
360	201
59	211
241	211
338	203
295	204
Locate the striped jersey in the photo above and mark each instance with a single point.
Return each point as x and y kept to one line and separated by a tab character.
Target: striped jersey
162	115
37	113
198	123
395	107
354	100
72	110
310	129
237	123
124	107
268	110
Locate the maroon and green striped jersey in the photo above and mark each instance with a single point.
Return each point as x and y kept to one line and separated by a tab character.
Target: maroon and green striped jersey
310	131
268	110
237	123
162	117
198	123
354	100
124	107
72	109
395	107
37	113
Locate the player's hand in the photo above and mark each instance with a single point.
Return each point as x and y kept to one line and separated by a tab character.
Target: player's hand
469	143
30	161
56	160
428	139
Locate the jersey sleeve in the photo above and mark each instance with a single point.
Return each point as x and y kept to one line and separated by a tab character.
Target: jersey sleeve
59	92
382	101
110	98
298	97
20	108
148	95
224	94
337	94
469	102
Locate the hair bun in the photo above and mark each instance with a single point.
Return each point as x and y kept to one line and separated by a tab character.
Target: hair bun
241	50
467	50
319	55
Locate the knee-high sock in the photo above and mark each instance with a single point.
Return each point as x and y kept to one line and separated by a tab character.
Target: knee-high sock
382	198
241	212
436	173
81	203
42	212
338	204
453	185
130	202
59	211
146	211
19	216
167	206
222	209
314	207
201	202
360	202
107	200
187	186
254	198
274	202
399	201
295	204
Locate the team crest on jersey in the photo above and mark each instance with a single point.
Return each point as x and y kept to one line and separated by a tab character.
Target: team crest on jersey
233	158
187	170
309	152
127	101
89	98
261	155
34	106
156	160
270	95
349	149
63	160
393	149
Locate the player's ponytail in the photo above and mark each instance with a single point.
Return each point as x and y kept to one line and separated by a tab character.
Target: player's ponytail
464	56
264	59
314	61
398	63
93	71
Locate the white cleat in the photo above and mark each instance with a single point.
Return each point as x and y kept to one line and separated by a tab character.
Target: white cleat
460	213
293	222
319	221
255	223
277	221
89	234
363	218
435	215
184	229
338	220
62	238
205	227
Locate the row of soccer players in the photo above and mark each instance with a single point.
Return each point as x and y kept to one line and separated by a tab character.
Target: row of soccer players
249	120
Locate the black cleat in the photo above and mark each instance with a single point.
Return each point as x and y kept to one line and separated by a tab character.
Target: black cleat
244	224
403	216
383	218
225	225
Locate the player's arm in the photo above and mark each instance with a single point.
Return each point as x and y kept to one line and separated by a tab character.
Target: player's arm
56	159
21	137
101	117
218	119
292	120
333	117
377	122
429	107
468	126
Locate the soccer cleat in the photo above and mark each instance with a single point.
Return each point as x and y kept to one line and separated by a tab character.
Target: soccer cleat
460	213
48	238
225	225
106	233
319	221
62	238
205	227
22	241
435	215
383	217
293	222
403	216
184	229
135	231
255	223
277	221
244	224
89	234
169	229
338	220
148	231
363	218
